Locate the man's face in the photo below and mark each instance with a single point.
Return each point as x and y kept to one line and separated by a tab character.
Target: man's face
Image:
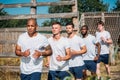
83	30
31	27
69	29
56	29
100	27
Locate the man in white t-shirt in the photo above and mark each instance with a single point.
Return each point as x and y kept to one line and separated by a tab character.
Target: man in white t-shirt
104	39
58	61
78	48
31	47
93	51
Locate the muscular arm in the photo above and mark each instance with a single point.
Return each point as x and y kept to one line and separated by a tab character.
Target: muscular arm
98	48
67	57
82	51
18	51
98	51
109	41
48	51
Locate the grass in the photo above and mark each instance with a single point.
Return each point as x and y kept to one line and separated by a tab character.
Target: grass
6	74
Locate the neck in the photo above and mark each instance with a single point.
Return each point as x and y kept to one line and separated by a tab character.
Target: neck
56	37
85	35
32	35
102	30
71	35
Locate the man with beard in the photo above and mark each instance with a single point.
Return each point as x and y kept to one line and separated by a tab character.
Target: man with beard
91	56
77	49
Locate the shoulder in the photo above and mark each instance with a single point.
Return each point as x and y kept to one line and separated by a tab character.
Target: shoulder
64	38
23	35
41	36
50	38
97	32
78	37
107	32
91	36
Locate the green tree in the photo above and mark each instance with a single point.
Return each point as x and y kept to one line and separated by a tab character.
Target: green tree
3	23
58	9
117	8
10	23
83	6
91	6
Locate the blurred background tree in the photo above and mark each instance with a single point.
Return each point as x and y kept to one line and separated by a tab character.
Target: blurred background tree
117	7
11	23
83	6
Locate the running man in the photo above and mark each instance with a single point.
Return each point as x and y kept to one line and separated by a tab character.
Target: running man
77	49
58	61
105	40
31	47
91	56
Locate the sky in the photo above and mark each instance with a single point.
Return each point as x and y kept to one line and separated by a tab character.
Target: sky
40	10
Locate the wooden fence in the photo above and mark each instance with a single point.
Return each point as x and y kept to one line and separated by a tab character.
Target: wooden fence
9	36
74	14
111	19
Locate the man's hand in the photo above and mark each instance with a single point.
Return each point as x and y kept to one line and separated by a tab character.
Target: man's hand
37	54
59	58
47	64
96	58
26	53
103	39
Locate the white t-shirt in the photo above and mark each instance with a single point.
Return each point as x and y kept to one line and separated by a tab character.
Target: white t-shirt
29	64
90	42
76	43
104	46
58	48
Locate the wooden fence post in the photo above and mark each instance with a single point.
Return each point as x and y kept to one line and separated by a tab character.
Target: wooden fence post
103	17
75	19
33	8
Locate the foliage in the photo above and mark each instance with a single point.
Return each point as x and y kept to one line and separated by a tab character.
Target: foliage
10	23
58	9
117	8
91	6
83	6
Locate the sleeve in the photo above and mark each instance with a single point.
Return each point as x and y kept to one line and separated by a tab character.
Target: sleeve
94	40
82	43
45	41
67	45
19	42
108	35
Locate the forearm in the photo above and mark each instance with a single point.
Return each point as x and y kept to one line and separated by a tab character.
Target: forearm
81	52
109	41
19	53
67	57
98	48
46	53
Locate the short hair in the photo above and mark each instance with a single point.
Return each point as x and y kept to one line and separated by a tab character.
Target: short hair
56	23
85	27
100	22
33	19
70	23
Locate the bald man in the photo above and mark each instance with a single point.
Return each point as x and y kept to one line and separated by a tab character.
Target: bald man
31	47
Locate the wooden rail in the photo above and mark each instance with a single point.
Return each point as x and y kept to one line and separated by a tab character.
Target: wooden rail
55	15
60	3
